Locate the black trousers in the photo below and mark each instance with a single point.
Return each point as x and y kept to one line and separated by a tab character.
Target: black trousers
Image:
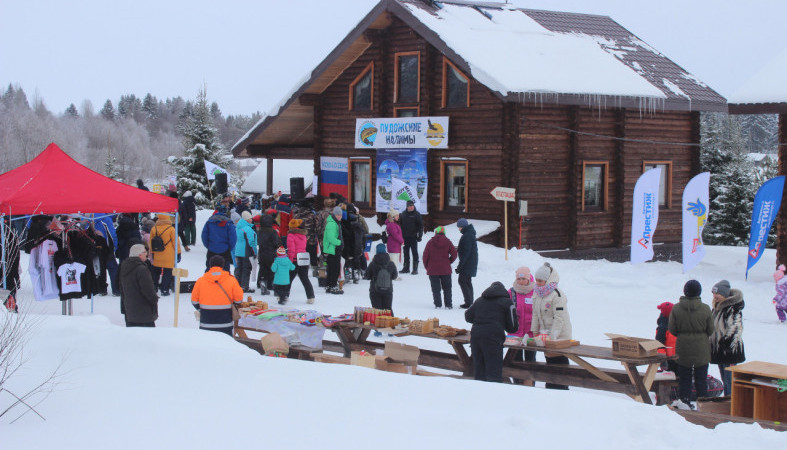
466	285
557	360
685	377
243	271
265	274
410	246
227	259
163	274
303	274
334	263
441	282
487	355
141	324
382	301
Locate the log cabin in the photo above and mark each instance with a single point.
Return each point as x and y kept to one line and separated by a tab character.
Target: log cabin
567	109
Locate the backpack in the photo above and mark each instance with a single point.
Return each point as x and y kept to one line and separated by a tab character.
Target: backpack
382	283
157	244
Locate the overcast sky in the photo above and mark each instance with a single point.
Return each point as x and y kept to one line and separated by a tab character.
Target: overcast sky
69	51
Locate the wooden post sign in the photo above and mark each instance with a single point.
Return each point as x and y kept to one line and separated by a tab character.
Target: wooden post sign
507	195
178	272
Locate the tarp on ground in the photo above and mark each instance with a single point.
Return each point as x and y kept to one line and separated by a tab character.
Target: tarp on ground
53	183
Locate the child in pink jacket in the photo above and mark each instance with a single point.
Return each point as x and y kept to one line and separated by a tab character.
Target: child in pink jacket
522	295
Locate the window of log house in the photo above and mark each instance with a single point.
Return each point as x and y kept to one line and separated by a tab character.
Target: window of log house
595	179
406	111
456	86
362	90
453	185
361	182
406	77
665	182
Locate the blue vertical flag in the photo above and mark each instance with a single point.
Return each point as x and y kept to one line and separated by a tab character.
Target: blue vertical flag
766	206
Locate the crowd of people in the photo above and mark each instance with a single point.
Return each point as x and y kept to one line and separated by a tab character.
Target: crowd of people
291	238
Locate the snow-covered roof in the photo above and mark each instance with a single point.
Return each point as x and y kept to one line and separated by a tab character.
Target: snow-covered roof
283	170
767	85
521	55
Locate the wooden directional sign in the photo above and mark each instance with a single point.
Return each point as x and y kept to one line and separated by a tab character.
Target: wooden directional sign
503	193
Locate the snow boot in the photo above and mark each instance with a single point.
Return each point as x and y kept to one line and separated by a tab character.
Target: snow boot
415	268
310	301
406	268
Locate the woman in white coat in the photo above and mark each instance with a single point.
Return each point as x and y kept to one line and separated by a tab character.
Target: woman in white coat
550	313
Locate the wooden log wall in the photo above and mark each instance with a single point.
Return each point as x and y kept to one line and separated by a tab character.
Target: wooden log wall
475	133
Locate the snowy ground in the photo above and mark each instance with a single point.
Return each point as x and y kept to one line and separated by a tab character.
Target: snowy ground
185	388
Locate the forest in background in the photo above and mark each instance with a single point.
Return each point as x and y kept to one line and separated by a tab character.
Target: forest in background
127	138
151	139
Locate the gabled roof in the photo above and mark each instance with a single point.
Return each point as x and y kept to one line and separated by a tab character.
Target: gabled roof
53	183
521	55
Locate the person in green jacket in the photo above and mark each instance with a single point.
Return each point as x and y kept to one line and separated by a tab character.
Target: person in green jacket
691	322
332	247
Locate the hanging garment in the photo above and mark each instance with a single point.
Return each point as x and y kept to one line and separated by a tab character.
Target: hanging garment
42	271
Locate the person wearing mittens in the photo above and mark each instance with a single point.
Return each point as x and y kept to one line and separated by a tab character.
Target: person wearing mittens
550	313
726	342
691	322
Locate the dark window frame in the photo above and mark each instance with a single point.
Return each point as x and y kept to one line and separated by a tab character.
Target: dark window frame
667	180
401	108
397	75
351	180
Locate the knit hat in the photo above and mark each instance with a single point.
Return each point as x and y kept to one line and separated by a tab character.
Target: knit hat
665	308
544	272
410	203
136	250
235	216
295	223
462	222
722	288
187	194
779	274
692	288
523	272
337	211
439	230
216	261
380	249
328	203
172	188
245	215
281	251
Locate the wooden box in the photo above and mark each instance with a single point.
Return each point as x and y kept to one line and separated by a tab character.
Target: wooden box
633	346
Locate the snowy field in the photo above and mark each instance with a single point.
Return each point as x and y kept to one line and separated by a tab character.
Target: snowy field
186	388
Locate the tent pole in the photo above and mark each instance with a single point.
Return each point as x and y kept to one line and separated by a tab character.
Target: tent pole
2	236
176	271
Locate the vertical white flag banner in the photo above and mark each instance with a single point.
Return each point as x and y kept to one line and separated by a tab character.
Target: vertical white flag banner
695	214
212	169
403	192
645	215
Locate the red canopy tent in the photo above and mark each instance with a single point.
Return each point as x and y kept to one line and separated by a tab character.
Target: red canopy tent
53	183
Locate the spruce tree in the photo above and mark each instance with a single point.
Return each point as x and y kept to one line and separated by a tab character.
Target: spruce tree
111	167
108	111
71	111
201	143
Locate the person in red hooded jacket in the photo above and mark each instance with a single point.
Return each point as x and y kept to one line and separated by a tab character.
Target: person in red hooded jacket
438	256
664	336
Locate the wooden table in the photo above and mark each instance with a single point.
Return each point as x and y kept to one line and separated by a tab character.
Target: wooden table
754	391
353	336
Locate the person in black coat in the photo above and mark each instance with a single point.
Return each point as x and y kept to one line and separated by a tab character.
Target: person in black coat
381	261
138	299
468	260
268	241
412	231
188	218
492	315
128	235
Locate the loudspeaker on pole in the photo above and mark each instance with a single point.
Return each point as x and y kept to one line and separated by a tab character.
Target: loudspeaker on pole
221	183
296	188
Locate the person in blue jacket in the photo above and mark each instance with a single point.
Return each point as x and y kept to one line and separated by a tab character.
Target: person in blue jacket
219	237
245	249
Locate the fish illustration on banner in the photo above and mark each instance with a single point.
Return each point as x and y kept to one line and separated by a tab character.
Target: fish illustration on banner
695	215
645	215
766	205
